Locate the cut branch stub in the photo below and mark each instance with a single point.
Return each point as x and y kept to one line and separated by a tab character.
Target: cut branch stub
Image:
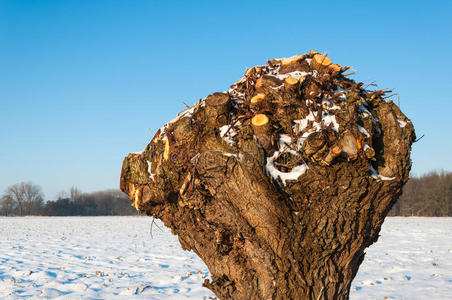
334	152
294	63
334	69
217	108
291	83
291	60
369	151
279	184
261	128
258	101
258	98
320	62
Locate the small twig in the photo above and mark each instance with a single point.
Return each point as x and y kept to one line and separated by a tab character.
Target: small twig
153	222
231	126
345	69
372	83
270	64
150	230
389	96
417	140
185	109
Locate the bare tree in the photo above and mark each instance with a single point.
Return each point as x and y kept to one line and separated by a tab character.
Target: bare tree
427	195
75	193
62	195
7	205
27	196
34	198
15	192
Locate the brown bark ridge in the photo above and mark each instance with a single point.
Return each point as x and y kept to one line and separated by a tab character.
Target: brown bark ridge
282	208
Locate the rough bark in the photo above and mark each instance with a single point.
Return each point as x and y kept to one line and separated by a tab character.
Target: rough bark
283	212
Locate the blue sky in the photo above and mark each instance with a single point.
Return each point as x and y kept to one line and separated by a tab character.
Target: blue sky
83	83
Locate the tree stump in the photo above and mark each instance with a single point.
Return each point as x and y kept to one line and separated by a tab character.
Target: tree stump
279	200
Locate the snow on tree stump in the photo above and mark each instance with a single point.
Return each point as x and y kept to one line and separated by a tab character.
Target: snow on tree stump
280	183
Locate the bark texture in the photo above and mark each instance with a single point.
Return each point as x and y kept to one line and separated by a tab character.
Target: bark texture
283	212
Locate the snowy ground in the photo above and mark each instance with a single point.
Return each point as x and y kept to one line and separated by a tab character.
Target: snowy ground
116	258
411	260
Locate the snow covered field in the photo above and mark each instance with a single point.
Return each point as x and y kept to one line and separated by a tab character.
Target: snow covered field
411	260
117	258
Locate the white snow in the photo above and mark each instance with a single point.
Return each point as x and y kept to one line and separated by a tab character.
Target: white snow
363	109
330	119
151	175
284	147
96	258
285	140
411	260
377	176
186	113
342	91
117	258
294	74
301	125
227	133
363	131
224	129
329	102
283	176
230	155
235	94
402	123
316	126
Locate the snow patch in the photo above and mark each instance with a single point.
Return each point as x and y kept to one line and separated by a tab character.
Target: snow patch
377	176
343	92
295	74
330	105
284	141
132	264
151	175
96	258
283	176
402	123
363	131
227	133
302	124
284	147
186	113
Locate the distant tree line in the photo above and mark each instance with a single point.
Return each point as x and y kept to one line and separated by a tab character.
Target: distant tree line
429	195
26	198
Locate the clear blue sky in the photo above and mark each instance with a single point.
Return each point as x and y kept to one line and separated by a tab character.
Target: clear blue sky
83	83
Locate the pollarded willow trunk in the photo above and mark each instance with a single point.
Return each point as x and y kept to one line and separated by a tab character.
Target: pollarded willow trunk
280	183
